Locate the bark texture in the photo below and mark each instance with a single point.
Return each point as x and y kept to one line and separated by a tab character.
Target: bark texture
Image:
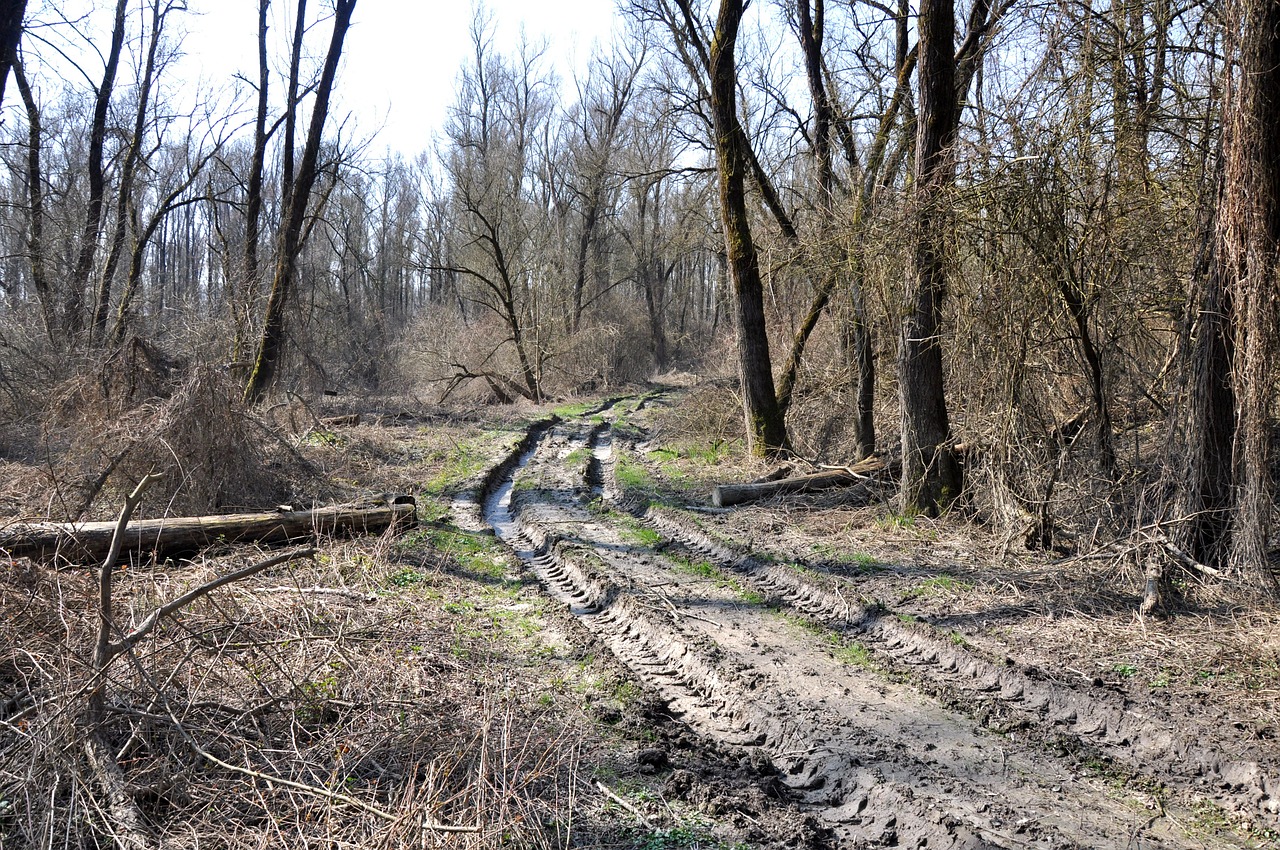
930	472
1247	238
766	433
298	194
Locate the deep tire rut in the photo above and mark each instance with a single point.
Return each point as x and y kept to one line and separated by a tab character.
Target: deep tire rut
877	760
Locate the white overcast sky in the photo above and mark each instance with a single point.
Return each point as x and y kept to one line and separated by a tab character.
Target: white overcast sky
402	57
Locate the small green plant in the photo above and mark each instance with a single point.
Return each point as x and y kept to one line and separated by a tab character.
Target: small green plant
317	437
406	577
958	639
894	522
1125	670
1162	679
1209	819
854	654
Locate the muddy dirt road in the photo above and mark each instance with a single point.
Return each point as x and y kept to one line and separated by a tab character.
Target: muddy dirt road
890	734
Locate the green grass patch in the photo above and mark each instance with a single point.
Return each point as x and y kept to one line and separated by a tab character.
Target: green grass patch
709	571
844	649
634	476
941	584
456	466
853	653
699	568
477	553
575	409
577	457
407	577
318	437
860	561
693	835
635	532
432	510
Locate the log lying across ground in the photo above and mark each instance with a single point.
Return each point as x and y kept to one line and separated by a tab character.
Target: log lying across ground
865	471
88	542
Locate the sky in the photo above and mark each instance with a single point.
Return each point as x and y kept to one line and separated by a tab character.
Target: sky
402	57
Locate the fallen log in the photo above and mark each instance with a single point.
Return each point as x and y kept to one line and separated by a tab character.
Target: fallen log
864	471
88	542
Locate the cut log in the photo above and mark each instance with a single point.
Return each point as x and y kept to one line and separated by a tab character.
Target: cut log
88	542
862	472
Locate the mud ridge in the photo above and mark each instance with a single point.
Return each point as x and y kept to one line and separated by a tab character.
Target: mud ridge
715	702
1100	722
736	674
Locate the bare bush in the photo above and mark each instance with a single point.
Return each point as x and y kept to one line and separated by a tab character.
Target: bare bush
143	413
289	707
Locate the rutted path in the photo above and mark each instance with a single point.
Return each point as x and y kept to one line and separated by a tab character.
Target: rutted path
760	656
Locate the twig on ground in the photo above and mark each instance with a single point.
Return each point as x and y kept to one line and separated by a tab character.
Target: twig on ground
313	790
604	789
192	595
316	590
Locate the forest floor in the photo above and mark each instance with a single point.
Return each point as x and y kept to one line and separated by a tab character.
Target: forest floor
574	649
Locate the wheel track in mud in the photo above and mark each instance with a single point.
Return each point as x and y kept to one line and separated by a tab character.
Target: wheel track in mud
1100	722
845	740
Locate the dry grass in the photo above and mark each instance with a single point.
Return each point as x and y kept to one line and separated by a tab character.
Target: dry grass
389	687
364	677
100	433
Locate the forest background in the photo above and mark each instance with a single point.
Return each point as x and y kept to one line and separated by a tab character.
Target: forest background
1026	248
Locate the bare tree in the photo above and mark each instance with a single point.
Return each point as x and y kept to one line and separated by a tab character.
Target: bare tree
502	112
930	472
603	102
133	157
74	318
298	196
11	14
1247	238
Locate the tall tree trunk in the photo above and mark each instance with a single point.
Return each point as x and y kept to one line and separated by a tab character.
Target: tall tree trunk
242	312
1202	426
73	318
35	199
124	194
859	356
11	12
930	473
291	107
1247	240
266	363
766	433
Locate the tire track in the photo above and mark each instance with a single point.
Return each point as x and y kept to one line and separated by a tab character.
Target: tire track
879	763
1247	781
